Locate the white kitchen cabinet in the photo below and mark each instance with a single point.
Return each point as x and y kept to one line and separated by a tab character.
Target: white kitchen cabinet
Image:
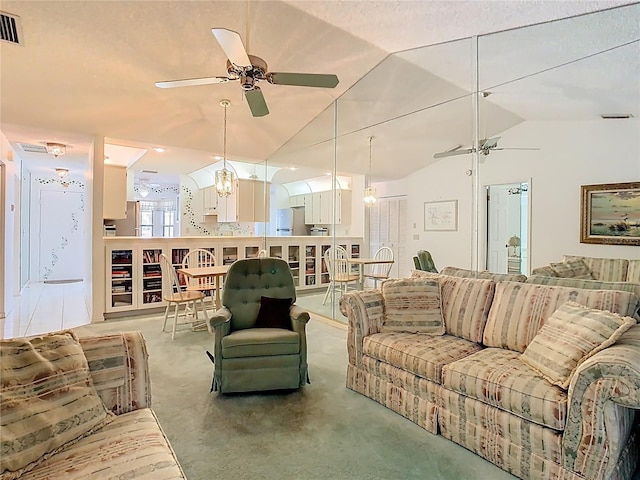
296	201
114	203
210	201
322	211
228	206
253	201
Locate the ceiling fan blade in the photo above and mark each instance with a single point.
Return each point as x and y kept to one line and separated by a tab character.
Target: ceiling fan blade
303	79
188	82
489	143
232	45
453	153
256	102
515	148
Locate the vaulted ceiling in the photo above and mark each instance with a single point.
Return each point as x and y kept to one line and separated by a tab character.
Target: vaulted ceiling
89	68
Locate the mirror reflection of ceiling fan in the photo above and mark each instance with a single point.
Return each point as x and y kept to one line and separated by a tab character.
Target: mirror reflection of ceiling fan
487	145
250	70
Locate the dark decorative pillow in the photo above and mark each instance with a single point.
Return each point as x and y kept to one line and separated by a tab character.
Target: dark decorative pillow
274	313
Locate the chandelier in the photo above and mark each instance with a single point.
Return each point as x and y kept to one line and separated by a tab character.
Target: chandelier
369	192
224	179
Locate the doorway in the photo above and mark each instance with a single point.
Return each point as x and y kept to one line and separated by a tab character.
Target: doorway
507	227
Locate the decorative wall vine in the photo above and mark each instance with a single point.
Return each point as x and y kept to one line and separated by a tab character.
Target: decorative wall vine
62	182
75	222
188	211
158	190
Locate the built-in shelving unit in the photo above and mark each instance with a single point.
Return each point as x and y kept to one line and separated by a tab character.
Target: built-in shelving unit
135	280
121	284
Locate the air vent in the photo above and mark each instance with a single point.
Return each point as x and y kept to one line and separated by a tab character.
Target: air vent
10	28
616	116
148	171
31	148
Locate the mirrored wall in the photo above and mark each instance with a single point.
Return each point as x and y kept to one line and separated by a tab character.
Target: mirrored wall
475	151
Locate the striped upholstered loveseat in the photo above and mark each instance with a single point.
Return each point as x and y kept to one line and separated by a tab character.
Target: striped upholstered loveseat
593	268
470	383
125	439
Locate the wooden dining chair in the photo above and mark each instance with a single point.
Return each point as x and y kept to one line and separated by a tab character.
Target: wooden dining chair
340	275
175	295
380	271
198	258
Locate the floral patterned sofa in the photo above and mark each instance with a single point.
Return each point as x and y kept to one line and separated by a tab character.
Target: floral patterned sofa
93	400
593	268
472	380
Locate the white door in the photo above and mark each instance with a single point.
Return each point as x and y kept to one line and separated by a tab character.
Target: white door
388	228
61	238
506	218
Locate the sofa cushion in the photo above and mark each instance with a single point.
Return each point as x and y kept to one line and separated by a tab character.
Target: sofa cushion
47	399
606	269
520	309
633	271
545	270
572	269
572	334
257	342
498	377
496	277
412	305
465	305
132	446
422	355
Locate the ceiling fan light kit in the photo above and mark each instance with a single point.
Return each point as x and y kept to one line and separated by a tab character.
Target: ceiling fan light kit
249	70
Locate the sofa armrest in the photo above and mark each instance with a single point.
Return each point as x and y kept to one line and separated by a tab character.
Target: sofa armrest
364	311
119	367
604	395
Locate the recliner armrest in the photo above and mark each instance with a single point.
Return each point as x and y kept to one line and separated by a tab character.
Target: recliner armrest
299	314
219	317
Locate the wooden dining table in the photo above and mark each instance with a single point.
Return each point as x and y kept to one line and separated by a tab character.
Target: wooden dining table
361	262
217	273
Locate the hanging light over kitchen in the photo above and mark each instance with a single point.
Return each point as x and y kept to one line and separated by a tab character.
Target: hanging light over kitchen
224	179
369	192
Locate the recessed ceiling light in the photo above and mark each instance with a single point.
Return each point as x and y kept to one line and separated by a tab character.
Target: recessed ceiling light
159	149
327	173
292	168
217	157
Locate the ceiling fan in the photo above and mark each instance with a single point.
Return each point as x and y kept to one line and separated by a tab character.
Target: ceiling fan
250	69
486	146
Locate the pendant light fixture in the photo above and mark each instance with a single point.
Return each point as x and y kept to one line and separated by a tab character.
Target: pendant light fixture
369	192
56	149
224	179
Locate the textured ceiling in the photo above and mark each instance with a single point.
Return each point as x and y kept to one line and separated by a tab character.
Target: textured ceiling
88	68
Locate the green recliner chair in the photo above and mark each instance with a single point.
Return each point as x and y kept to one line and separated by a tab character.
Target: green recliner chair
423	261
260	340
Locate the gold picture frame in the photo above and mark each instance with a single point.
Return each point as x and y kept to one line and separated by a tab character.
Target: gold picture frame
610	213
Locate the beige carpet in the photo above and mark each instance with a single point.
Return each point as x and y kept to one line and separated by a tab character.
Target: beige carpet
323	431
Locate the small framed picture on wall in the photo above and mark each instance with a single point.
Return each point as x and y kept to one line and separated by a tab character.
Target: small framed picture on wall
441	216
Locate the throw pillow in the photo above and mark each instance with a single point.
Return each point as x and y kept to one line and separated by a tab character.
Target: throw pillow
47	400
572	269
412	305
274	313
572	334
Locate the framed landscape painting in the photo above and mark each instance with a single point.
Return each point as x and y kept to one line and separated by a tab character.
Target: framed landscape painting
610	214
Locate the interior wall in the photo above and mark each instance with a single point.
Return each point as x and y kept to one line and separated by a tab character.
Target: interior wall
445	179
570	154
50	182
95	281
9	228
